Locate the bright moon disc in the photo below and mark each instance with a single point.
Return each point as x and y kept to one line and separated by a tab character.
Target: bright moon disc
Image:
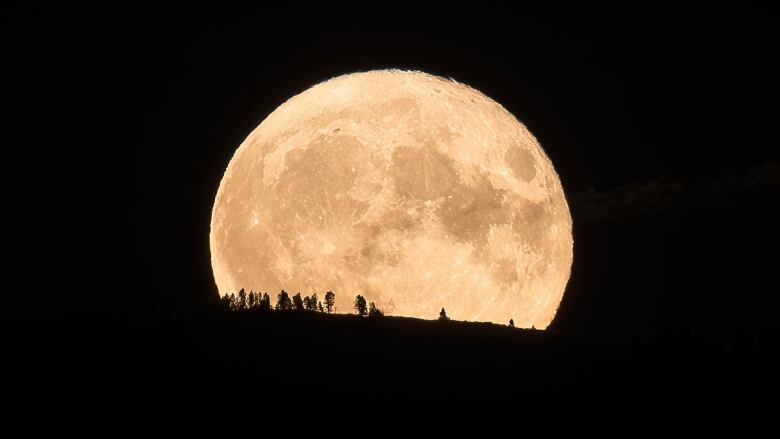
415	191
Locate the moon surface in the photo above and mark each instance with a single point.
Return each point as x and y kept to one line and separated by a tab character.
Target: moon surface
415	191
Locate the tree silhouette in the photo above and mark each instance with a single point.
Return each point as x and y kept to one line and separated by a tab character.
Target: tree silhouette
283	302
360	305
252	299
224	302
330	301
310	303
443	315
242	299
233	302
511	323
319	307
373	311
297	302
264	303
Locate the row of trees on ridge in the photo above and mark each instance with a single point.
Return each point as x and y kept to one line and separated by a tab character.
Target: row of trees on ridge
262	302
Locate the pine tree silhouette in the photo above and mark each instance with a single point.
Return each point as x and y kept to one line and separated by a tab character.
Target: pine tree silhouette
265	303
297	302
283	302
251	299
224	302
242	299
312	305
373	311
360	305
330	302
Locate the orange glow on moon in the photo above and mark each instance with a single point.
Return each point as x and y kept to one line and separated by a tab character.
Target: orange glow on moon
415	191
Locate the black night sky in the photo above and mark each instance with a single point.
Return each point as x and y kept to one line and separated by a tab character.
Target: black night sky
662	125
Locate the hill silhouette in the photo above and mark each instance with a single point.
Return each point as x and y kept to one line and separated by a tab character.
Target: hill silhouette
703	263
243	369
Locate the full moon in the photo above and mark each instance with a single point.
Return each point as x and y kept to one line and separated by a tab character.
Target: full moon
413	190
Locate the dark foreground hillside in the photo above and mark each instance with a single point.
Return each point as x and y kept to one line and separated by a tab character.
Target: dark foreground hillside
311	371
